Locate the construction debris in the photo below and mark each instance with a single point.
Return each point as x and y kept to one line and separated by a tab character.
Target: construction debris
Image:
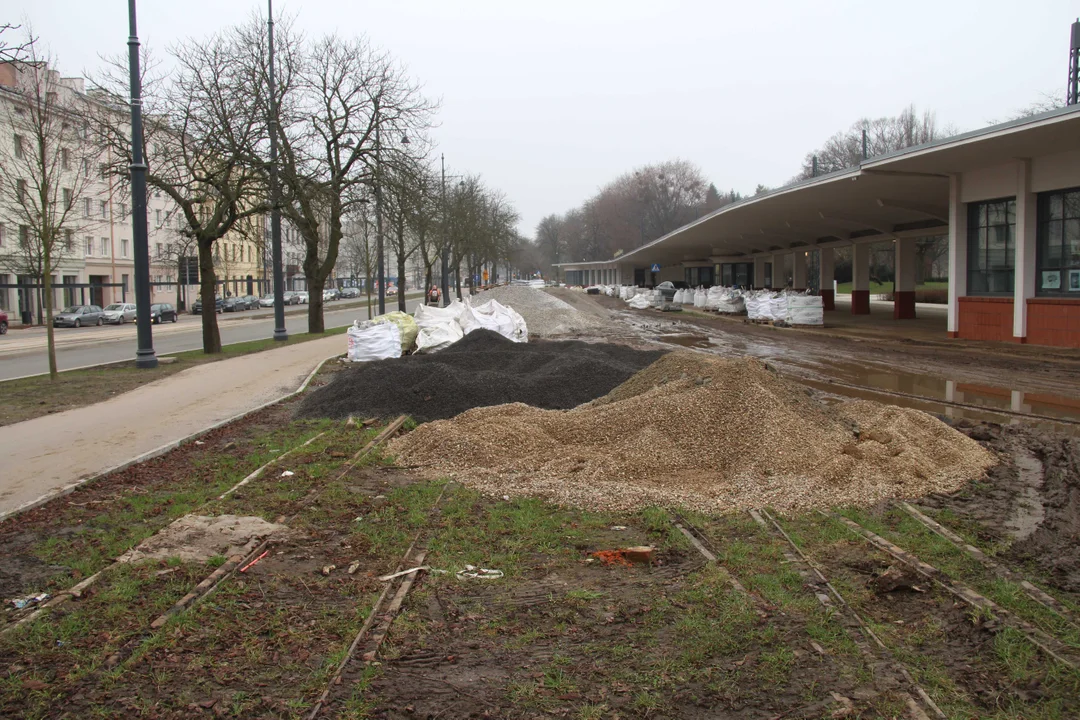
544	314
483	368
704	433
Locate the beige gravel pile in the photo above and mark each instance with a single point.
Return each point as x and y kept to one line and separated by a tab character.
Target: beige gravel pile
544	314
709	434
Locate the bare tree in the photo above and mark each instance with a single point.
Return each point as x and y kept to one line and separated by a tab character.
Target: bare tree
44	174
203	128
358	251
15	50
345	113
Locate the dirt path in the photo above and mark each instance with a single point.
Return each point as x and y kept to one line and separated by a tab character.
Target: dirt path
44	455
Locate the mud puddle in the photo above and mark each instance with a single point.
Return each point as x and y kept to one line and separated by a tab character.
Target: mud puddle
690	341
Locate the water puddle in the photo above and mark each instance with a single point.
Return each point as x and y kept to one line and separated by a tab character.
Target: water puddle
1029	512
691	341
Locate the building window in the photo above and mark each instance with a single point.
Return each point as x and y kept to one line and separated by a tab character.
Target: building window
1	234
20	149
1058	258
87	207
104	209
123	211
68	198
991	247
123	247
103	169
20	190
89	246
104	247
24	236
85	167
65	158
159	253
157	217
69	240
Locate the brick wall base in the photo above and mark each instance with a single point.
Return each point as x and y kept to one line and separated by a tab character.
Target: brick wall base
986	318
1053	321
828	299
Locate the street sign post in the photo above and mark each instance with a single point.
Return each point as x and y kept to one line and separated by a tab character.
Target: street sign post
655	267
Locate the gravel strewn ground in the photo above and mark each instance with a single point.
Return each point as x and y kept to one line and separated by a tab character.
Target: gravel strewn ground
544	314
705	433
483	368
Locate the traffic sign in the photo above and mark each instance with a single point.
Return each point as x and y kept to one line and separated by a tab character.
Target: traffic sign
655	267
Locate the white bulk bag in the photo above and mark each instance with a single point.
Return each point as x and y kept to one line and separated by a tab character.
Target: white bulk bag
805	310
373	341
778	307
429	315
699	298
435	337
494	316
641	302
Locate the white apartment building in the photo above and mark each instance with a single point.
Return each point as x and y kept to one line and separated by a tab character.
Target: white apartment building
98	251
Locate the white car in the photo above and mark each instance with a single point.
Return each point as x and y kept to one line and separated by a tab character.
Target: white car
118	313
303	296
267	300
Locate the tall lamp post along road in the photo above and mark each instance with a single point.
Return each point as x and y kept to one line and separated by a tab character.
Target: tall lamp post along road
381	274
144	353
280	333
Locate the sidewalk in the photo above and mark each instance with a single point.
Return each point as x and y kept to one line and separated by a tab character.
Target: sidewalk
44	455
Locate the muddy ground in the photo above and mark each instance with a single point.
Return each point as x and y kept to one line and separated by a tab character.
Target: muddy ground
562	633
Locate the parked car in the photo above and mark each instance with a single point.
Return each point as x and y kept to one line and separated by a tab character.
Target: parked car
391	290
291	298
267	300
233	304
78	315
118	313
329	294
3	322
302	297
196	307
162	312
251	301
350	292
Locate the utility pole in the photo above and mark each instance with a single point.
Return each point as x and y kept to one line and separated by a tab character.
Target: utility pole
144	353
280	333
1072	94
864	144
378	220
446	239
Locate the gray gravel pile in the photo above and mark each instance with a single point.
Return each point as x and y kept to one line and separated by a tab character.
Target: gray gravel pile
483	368
710	434
544	314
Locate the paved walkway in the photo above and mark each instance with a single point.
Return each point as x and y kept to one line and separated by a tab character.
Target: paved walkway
44	455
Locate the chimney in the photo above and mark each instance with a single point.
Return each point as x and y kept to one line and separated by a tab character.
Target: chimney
1072	93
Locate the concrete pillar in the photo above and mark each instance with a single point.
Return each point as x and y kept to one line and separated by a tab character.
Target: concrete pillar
759	272
779	277
904	294
958	222
827	274
860	279
1024	274
798	270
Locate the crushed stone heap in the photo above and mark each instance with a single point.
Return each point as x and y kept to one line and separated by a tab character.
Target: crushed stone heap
544	314
481	369
705	433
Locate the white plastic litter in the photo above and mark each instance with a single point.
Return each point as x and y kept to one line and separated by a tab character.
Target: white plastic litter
428	316
479	573
641	302
287	473
410	571
373	341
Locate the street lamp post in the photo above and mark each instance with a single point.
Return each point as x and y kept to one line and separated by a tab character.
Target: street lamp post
144	353
446	239
381	271
280	333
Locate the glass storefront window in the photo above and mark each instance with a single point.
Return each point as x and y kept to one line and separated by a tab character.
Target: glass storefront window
991	247
1058	257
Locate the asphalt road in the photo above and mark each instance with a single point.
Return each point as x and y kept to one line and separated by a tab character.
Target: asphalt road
22	352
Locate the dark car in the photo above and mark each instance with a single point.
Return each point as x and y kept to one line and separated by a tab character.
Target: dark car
3	322
196	307
234	304
78	315
251	301
350	292
162	312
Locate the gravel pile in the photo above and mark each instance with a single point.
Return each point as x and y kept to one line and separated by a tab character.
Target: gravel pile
705	433
544	314
483	368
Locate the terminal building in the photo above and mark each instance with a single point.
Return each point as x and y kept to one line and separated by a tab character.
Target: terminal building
1007	197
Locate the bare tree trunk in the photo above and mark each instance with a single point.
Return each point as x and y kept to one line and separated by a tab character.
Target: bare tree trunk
401	282
428	281
211	338
316	322
50	339
367	286
457	279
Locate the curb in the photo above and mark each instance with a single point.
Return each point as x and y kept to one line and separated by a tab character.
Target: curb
150	454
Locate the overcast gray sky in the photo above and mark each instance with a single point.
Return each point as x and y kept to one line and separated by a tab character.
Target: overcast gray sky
550	100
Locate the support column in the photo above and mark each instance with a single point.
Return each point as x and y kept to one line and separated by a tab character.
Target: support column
1024	274
827	274
958	218
798	270
759	272
860	279
904	293
779	277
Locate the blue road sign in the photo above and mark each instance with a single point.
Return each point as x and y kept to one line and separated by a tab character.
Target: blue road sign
655	267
